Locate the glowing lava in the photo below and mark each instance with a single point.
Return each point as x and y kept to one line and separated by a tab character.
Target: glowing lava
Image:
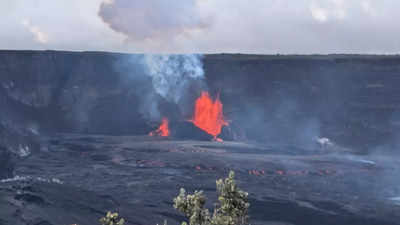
208	115
163	130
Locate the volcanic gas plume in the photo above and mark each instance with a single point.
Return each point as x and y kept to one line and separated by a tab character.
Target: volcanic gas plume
163	130
208	115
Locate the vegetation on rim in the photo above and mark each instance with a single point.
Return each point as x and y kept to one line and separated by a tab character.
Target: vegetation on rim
231	209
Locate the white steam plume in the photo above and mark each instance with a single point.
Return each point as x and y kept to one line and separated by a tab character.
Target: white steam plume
172	74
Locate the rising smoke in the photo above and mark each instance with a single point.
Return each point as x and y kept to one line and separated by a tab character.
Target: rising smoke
164	81
172	74
174	78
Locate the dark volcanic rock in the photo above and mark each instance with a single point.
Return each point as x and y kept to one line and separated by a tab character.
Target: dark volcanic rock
300	212
351	99
6	163
65	91
232	132
188	131
18	140
34	202
139	176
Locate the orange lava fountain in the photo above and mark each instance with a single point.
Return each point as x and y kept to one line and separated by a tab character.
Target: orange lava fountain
208	115
163	130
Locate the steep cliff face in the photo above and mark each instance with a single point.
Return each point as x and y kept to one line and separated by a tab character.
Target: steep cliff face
353	100
6	164
61	91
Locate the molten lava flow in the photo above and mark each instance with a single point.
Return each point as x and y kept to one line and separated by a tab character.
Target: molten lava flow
208	115
163	130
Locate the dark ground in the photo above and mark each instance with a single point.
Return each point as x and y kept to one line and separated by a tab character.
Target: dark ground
77	178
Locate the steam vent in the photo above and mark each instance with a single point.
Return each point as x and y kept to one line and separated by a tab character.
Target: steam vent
313	139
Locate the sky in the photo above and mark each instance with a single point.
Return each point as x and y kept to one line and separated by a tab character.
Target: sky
203	26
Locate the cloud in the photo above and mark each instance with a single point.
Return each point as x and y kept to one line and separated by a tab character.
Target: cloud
39	35
152	19
319	14
325	10
368	8
203	26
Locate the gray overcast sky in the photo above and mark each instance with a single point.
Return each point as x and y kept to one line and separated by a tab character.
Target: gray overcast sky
203	26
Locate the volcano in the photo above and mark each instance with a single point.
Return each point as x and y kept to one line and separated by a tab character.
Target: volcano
207	118
74	143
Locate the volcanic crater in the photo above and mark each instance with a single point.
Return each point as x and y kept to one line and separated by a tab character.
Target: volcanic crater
311	138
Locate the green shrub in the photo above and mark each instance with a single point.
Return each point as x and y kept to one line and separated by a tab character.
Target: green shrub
112	219
232	208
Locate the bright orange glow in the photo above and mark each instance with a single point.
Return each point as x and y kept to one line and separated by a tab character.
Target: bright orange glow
163	130
208	115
